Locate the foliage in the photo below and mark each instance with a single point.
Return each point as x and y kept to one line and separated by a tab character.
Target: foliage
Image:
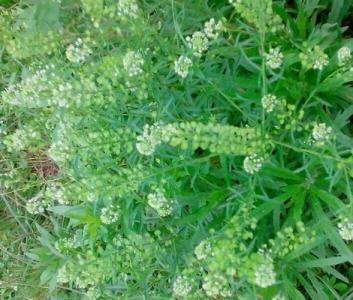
176	149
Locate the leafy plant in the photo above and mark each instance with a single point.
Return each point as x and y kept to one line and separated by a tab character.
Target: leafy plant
176	149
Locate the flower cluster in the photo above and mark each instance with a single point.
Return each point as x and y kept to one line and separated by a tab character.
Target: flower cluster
223	257
203	250
289	239
253	163
182	286
22	138
28	92
133	63
321	133
150	138
344	55
22	45
94	8
38	204
269	102
214	137
216	285
78	52
259	13
274	59
198	43
110	214
160	203
259	270
128	9
64	245
265	275
314	58
345	229
213	29
182	66
56	193
93	293
279	297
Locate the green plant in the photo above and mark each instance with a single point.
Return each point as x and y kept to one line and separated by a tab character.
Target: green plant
176	149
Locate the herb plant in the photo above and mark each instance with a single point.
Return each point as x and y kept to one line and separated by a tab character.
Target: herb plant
170	149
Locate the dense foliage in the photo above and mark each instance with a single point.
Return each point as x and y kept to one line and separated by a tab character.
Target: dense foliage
170	149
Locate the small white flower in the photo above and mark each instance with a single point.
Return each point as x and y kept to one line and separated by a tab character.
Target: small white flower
127	9
160	203
64	244
321	133
182	286
198	42
182	66
63	275
314	58
203	250
274	58
216	285
38	204
78	52
320	60
149	139
93	293
133	63
212	29
110	214
279	297
343	55
269	102
252	163
56	192
345	229
265	275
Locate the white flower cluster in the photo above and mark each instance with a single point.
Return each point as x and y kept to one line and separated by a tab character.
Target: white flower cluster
110	214
252	163
321	133
279	297
182	66
152	136
63	275
269	102
320	62
160	203
265	275
344	55
213	29
56	192
133	63
60	149
27	92
127	9
274	58
93	293
314	58
64	95
216	285
38	204
182	286
149	139
198	42
78	52
21	138
345	229
64	244
203	250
